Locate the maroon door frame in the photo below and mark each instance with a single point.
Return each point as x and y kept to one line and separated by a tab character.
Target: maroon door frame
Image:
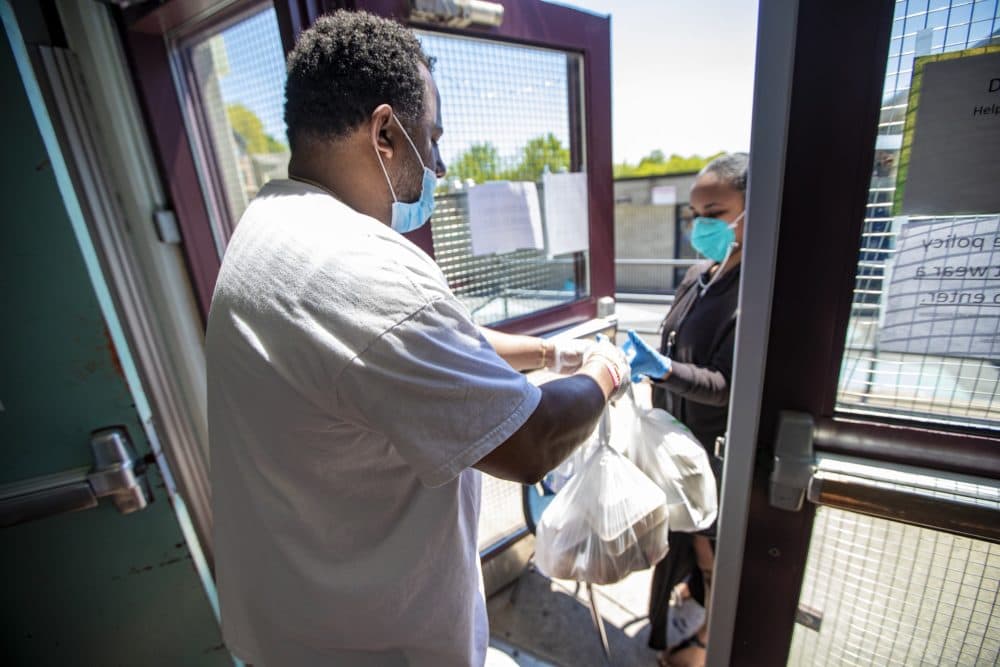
157	96
839	60
144	29
525	21
839	64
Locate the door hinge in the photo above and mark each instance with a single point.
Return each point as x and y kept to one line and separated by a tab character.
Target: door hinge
165	222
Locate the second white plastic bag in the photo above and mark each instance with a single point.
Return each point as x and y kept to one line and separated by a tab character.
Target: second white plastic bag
607	521
667	451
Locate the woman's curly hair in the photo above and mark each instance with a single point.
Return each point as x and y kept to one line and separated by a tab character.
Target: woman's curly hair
345	65
731	169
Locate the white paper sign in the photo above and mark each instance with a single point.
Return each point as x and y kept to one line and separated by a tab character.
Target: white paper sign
952	163
504	216
567	215
663	195
943	294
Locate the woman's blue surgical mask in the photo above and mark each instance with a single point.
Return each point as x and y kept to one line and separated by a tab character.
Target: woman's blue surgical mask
409	216
713	238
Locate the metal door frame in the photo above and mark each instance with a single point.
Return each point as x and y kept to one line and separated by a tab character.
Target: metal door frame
776	31
837	61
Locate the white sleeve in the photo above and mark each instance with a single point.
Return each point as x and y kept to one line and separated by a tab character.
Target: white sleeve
437	391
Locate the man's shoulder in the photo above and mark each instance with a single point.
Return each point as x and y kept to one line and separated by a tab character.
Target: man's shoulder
302	242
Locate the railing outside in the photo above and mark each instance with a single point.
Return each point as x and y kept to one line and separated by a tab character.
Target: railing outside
650	276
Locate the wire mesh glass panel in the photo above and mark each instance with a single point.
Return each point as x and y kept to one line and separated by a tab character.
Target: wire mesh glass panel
499	286
237	76
501	513
917	347
892	594
508	113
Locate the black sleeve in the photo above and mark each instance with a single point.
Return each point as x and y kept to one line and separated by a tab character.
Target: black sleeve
705	384
680	303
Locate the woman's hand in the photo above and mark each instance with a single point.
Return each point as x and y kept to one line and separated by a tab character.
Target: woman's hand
644	360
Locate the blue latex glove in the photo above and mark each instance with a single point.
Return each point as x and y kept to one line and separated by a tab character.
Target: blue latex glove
643	359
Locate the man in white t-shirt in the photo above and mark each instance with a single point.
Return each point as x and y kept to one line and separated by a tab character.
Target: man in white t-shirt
352	399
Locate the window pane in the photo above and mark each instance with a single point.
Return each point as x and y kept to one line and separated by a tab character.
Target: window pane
238	85
920	379
507	113
938	19
984	10
892	594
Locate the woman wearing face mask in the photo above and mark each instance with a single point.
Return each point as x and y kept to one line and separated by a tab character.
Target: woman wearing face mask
691	373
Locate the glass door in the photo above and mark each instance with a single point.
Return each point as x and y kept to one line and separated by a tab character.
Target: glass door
861	496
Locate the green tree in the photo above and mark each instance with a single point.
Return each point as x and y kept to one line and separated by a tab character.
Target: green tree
538	153
481	163
655	157
250	128
657	164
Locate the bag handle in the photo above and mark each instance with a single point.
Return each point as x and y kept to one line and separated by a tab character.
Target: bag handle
604	427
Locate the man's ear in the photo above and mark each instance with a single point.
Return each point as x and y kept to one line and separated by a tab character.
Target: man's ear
382	131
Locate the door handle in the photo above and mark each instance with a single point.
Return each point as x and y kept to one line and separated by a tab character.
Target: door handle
117	474
794	461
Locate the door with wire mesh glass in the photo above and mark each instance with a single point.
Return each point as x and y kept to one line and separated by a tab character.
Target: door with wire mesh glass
922	346
869	435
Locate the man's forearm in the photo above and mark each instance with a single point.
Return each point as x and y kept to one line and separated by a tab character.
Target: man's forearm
522	352
566	414
564	417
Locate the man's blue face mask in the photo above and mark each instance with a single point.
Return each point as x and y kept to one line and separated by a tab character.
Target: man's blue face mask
409	216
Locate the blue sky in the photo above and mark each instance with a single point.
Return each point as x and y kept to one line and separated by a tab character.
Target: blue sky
682	78
682	74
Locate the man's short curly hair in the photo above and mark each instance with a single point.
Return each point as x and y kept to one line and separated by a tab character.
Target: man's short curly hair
346	64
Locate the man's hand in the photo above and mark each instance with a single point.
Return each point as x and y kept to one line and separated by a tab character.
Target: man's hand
567	412
644	360
566	355
604	355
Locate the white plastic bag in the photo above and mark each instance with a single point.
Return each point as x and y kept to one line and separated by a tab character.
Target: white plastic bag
672	457
609	520
560	476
